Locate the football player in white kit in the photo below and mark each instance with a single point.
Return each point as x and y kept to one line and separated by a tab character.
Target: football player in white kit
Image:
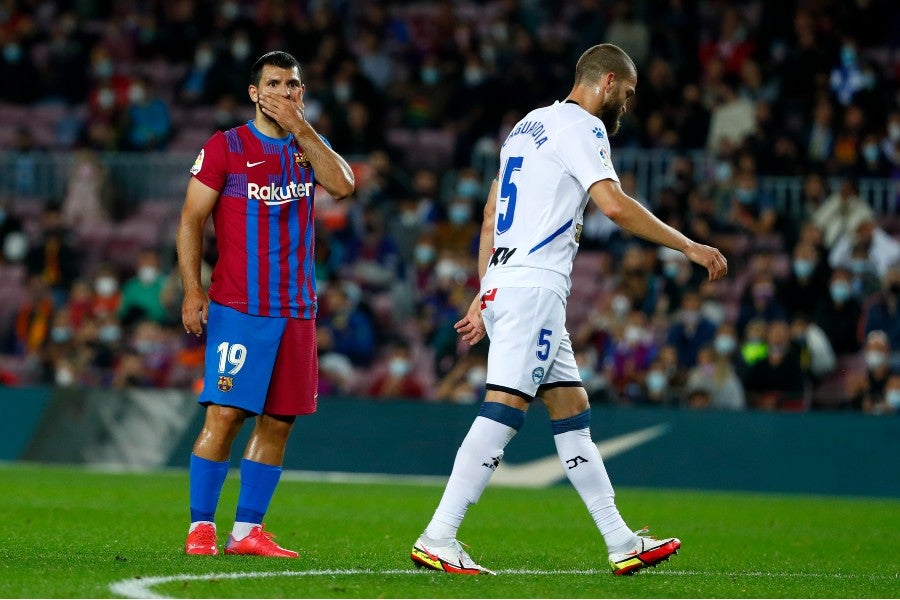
553	162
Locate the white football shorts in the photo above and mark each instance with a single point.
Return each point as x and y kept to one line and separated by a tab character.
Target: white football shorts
530	348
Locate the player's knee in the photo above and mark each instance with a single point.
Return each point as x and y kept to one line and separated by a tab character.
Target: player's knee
566	402
274	426
502	413
224	420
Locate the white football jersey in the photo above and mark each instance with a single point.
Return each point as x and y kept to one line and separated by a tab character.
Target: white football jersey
547	164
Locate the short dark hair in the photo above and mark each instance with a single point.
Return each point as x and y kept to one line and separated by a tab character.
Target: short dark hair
276	58
601	59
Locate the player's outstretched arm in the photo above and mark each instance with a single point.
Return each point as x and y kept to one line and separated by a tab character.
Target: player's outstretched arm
471	326
332	171
198	204
629	214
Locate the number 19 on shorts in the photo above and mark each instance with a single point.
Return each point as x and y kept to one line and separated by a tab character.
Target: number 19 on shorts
233	355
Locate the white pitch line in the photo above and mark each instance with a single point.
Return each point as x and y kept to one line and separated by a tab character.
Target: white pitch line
142	587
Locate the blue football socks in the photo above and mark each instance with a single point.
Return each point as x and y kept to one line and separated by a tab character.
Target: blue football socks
258	483
206	480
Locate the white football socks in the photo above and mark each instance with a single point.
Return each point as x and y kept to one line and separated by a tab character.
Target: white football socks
242	530
477	458
584	467
196	524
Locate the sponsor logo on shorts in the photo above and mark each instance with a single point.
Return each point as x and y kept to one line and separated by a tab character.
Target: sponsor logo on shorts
225	383
537	375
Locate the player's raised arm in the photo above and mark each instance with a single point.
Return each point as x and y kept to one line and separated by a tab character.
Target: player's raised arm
332	172
629	214
198	204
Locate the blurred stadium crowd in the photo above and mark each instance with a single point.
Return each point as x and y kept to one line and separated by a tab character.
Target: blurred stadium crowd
420	95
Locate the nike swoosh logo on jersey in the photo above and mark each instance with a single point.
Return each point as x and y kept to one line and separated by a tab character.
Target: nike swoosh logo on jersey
250	164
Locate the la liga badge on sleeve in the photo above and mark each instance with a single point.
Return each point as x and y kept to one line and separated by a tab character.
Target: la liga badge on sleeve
197	164
604	156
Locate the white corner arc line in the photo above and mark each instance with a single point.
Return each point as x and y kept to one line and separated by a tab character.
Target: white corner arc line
142	587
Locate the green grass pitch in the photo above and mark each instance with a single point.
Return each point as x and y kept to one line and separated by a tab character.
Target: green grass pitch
71	532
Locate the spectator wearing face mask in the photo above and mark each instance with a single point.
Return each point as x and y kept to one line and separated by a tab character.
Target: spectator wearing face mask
752	210
107	296
678	275
594	383
691	331
13	239
336	375
841	212
871	161
777	381
373	258
884	312
196	85
760	302
839	312
60	364
876	246
596	332
142	293
400	380
424	256
148	125
891	403
634	351
754	348
715	375
868	389
405	229
107	101
636	281
343	327
866	282
816	353
658	389
459	233
90	201
465	382
807	282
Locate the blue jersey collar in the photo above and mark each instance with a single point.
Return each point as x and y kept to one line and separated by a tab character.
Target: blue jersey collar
269	140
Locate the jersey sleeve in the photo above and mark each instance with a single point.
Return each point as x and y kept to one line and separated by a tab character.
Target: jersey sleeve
210	168
585	153
324	140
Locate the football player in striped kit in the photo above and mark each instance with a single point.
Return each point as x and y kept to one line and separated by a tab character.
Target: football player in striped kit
258	182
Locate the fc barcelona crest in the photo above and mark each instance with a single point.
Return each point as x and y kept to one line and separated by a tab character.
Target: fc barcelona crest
300	159
225	383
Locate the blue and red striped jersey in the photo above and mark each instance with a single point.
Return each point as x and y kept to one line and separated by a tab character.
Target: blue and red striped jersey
263	220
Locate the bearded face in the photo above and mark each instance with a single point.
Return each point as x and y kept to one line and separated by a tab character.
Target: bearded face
611	114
